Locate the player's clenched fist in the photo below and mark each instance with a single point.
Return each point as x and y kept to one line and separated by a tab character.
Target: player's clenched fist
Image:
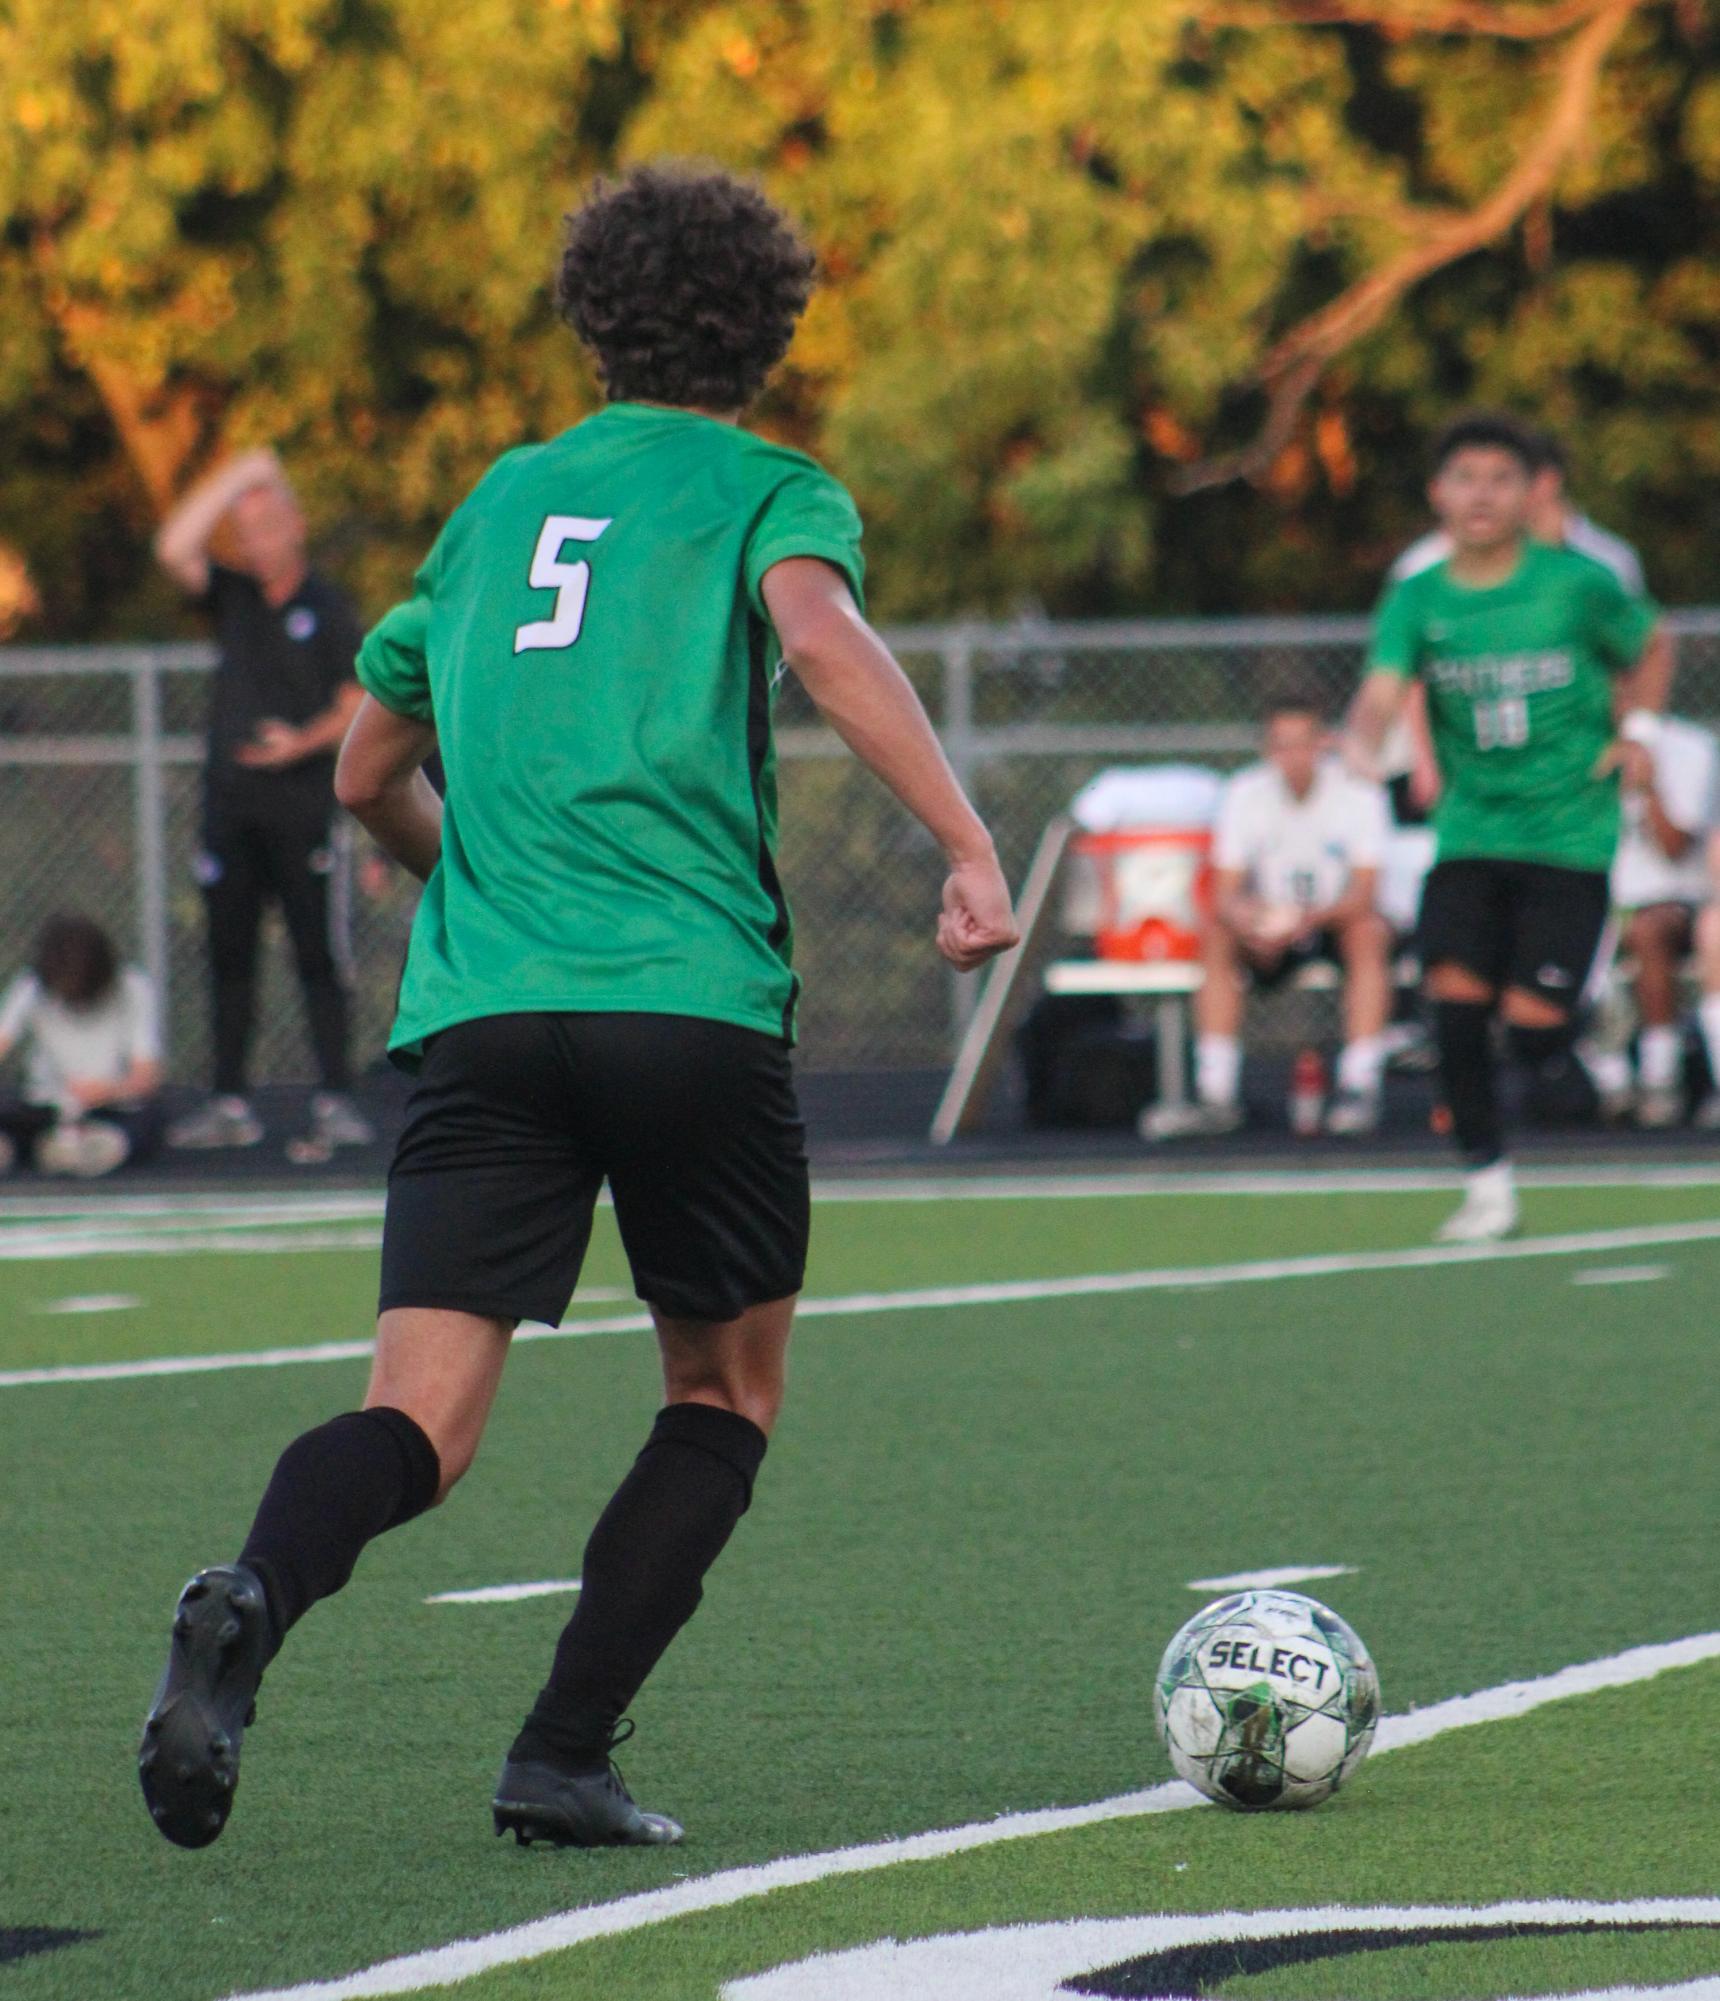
976	922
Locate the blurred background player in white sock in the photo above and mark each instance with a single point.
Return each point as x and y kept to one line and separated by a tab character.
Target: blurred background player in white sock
1297	852
1660	883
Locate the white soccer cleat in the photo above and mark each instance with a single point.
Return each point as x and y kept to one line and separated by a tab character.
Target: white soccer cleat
1168	1122
1353	1114
85	1148
1490	1209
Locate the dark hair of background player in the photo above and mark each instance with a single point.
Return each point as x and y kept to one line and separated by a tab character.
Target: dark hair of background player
1494	429
75	960
685	283
1293	698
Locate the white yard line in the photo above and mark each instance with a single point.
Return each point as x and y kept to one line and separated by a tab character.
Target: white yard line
91	1302
128	1214
1000	1292
1621	1275
444	1965
34	1245
506	1594
1268	1580
1042	1962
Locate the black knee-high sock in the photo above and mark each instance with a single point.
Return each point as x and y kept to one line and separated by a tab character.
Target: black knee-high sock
332	1490
644	1565
1464	1031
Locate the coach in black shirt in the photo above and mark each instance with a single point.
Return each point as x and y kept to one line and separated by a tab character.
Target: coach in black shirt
283	695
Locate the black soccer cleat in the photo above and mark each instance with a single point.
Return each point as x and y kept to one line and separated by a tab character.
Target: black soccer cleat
592	1810
188	1761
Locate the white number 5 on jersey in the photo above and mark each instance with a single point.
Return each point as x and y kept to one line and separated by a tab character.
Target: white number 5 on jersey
569	581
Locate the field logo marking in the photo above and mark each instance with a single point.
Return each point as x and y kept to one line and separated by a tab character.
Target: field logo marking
1269	1580
442	1966
1002	1292
1047	1962
506	1594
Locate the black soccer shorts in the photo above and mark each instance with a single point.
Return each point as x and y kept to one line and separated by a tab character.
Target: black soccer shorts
1515	924
518	1119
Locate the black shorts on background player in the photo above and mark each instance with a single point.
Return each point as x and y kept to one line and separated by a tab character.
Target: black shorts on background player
518	1119
1516	924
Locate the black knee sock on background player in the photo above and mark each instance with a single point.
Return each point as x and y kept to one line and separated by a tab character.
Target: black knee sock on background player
333	1490
642	1581
1464	1031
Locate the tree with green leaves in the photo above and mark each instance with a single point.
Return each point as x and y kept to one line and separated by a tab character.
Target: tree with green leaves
1127	307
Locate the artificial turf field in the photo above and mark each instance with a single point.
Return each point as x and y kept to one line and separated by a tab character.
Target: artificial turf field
976	1530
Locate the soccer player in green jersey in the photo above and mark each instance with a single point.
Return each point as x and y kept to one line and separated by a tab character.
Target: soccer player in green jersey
1545	680
599	984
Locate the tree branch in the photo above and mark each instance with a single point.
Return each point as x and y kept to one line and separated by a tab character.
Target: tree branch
160	427
1293	368
1524	23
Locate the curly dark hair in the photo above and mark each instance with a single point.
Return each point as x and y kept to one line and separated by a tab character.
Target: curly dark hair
75	960
685	283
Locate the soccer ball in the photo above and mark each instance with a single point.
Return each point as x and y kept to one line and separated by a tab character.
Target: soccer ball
1266	1699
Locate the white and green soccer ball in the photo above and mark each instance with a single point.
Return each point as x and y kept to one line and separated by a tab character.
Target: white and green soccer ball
1266	1699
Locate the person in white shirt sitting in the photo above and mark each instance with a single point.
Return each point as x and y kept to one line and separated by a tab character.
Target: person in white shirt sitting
1296	854
1659	883
92	1055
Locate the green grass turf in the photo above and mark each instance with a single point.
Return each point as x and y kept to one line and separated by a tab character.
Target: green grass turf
1573	1801
214	1302
970	1545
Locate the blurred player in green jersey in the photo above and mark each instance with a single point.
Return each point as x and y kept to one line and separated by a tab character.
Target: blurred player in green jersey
600	981
1545	680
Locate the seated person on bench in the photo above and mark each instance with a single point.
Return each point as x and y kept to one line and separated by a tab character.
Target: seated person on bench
1296	853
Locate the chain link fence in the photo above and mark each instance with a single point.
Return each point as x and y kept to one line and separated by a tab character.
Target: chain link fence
100	766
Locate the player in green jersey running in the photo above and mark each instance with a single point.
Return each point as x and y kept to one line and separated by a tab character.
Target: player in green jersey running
1545	680
600	980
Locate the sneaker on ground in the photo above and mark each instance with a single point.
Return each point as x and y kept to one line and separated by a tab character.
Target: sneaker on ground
1198	1121
1489	1210
1659	1108
222	1122
337	1121
1353	1114
188	1761
576	1810
84	1147
1617	1104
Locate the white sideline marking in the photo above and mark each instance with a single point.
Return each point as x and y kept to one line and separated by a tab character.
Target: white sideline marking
505	1594
1002	1292
1266	1580
91	1302
443	1965
280	1209
1033	1962
1621	1275
25	1246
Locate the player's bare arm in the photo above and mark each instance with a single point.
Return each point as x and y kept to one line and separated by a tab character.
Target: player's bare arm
1378	704
182	541
1358	900
1640	698
866	698
1236	907
380	781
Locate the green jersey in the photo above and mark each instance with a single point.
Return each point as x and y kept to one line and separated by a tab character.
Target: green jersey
589	639
1520	700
